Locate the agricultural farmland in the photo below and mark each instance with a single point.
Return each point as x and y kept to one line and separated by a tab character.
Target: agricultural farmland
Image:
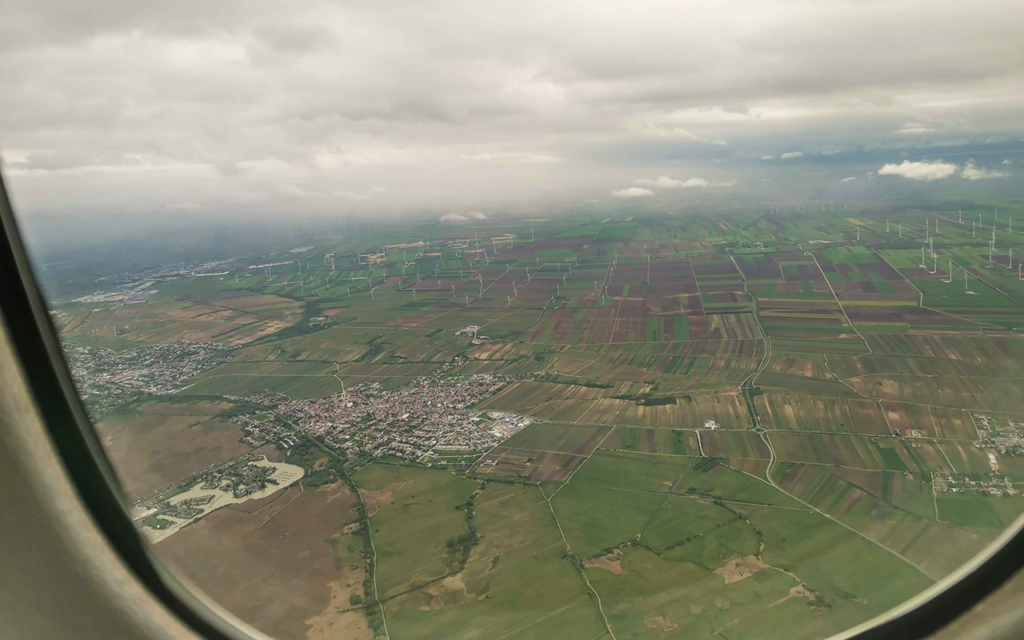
670	425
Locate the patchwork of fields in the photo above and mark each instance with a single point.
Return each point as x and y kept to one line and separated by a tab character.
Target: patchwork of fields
740	422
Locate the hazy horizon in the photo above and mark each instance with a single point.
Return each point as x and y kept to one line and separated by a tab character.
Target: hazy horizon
257	110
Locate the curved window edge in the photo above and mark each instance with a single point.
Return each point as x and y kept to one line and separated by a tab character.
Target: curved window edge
35	340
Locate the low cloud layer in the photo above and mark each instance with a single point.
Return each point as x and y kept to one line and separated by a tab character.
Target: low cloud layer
458	218
923	171
915	128
236	108
665	182
970	172
632	192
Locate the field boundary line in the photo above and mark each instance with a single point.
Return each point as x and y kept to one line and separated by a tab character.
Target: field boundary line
697	497
948	461
768	473
885	415
843	380
751	400
285	506
359	496
839	302
568	548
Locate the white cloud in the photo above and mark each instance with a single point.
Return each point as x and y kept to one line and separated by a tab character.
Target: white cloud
478	215
767	157
924	171
345	194
378	190
632	192
1007	161
850	179
184	206
454	118
915	128
791	154
665	182
667	130
510	157
970	172
453	218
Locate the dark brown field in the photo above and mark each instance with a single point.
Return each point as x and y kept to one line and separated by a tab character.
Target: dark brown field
165	442
274	568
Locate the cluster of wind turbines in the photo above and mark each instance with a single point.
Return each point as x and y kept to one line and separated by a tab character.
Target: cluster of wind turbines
929	239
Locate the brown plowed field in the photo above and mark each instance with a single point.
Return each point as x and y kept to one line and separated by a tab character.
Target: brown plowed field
271	568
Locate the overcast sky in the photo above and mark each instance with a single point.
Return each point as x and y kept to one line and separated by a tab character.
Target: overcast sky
234	106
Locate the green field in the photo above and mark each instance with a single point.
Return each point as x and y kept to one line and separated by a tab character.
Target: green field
745	425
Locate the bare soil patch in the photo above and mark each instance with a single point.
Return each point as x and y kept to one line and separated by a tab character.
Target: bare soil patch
277	576
450	591
611	562
151	450
660	622
336	621
376	499
737	569
799	591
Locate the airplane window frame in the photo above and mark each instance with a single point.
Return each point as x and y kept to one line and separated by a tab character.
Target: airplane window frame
38	348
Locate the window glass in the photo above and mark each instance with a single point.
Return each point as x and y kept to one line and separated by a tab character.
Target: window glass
561	321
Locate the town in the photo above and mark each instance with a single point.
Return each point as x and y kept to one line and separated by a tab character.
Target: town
429	415
106	378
